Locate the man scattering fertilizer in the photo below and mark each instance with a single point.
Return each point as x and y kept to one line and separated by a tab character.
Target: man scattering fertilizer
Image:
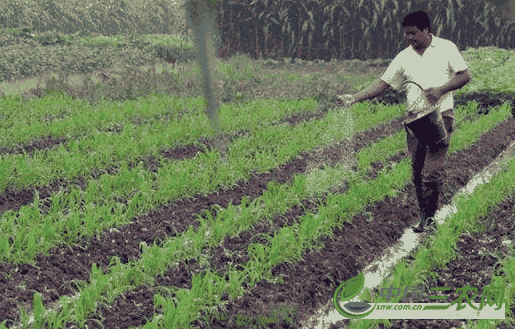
429	70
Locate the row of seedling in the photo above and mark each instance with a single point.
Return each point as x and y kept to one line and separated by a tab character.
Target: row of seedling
138	186
101	149
288	244
62	115
441	249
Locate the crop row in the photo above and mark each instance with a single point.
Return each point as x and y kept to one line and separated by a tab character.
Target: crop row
441	248
59	115
287	245
102	149
28	231
85	213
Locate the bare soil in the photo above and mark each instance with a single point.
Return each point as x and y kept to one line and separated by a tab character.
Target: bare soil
307	284
478	257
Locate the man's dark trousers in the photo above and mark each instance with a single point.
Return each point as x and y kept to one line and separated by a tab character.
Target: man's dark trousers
427	165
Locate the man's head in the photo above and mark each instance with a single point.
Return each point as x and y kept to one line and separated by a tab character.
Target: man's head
416	30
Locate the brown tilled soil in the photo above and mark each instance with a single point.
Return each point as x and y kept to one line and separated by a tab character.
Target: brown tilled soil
307	284
478	257
310	283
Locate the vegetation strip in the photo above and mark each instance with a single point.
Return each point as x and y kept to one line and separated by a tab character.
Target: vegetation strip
33	120
102	149
150	227
439	250
14	199
379	269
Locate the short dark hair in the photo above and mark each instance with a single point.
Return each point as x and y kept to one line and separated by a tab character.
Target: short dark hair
418	19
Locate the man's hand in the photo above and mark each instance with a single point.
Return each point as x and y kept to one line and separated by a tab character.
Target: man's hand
346	100
433	95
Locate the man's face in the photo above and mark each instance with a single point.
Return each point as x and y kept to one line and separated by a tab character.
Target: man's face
416	38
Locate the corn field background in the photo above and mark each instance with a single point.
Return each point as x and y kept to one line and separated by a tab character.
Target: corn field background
358	29
311	29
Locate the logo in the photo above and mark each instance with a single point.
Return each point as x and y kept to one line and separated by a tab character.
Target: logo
348	303
347	291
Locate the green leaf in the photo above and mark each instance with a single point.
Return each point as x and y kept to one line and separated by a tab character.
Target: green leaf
367	296
352	287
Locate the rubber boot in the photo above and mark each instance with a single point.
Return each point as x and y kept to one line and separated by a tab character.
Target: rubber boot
422	206
433	194
422	224
427	195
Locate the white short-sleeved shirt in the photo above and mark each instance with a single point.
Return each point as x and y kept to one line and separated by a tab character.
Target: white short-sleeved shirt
430	70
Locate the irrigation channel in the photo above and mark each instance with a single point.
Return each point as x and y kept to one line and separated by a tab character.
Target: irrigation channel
307	284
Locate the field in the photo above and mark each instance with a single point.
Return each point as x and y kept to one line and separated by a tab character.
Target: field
118	212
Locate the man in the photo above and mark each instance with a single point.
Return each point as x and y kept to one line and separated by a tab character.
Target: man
438	67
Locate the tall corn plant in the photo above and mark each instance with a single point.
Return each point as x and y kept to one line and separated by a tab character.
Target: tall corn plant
231	23
259	30
308	24
486	19
470	23
251	22
311	22
15	14
272	18
361	26
334	27
294	24
506	8
374	26
268	15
